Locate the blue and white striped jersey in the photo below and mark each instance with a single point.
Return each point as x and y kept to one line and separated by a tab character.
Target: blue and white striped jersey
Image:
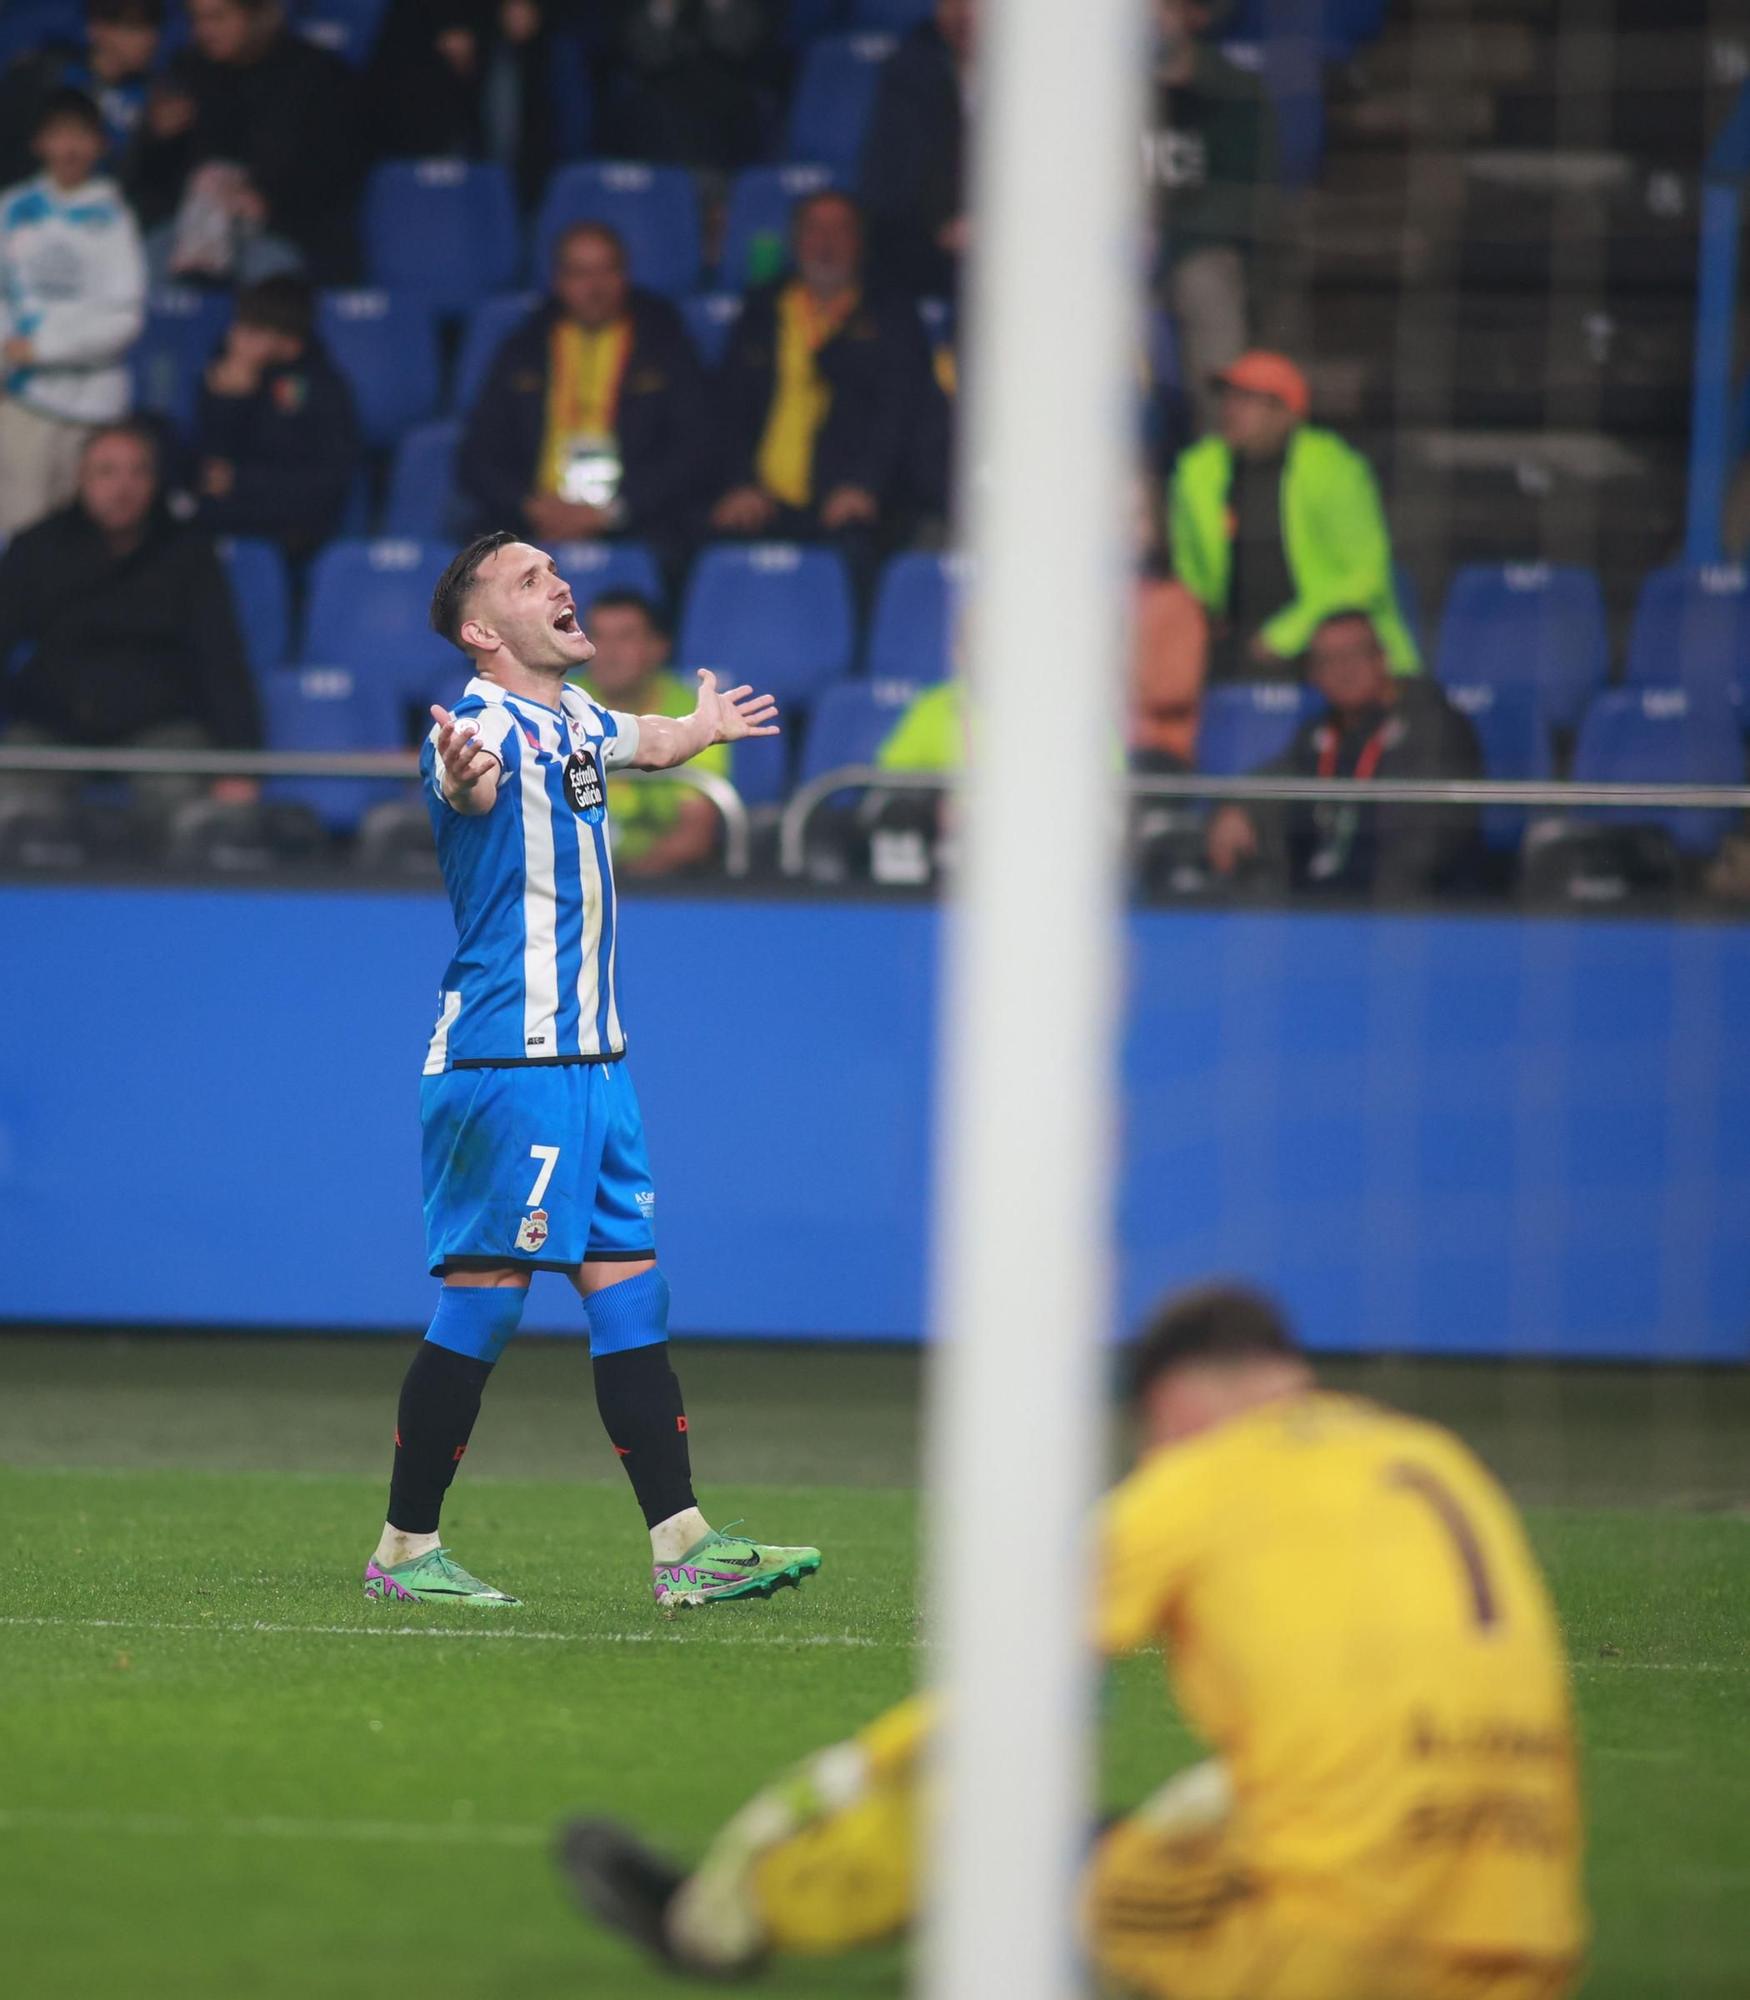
532	887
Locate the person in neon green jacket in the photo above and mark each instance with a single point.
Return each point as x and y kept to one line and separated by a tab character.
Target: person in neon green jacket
1275	524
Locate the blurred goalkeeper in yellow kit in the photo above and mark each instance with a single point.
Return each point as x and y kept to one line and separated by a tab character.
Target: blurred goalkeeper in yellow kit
1353	1622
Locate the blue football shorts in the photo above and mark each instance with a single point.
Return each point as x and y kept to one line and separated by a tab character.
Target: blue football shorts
541	1165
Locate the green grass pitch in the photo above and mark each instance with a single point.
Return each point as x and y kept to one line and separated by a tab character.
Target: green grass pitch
223	1774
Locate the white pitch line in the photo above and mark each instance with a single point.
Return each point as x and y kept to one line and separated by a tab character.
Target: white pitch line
150	1826
501	1632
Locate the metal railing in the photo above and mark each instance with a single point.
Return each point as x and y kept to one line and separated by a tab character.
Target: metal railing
1551	794
400	764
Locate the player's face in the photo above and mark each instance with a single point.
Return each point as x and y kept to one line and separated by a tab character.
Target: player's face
522	602
117	483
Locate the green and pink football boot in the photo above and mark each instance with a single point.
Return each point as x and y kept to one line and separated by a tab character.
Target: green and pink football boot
721	1568
433	1578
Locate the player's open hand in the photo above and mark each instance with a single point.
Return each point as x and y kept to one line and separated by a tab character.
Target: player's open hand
458	750
735	712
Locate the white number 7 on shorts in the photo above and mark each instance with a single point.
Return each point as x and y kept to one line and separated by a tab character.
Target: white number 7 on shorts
549	1159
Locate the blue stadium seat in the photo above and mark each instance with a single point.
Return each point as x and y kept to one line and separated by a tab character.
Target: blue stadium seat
1692	629
28	25
347	28
911	633
1662	735
369	608
594	567
183	328
262	591
489	326
331	709
422	493
756	229
773	613
850	722
1537	625
1246	724
442	231
386	346
759	769
655	210
710	317
835	94
1515	739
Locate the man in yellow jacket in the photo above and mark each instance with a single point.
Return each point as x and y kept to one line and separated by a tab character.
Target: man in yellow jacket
1353	1622
1275	524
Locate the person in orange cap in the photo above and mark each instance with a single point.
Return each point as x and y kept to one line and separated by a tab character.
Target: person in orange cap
1276	523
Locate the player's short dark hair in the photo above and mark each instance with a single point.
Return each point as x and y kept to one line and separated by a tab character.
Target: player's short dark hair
449	601
1219	1324
279	305
67	105
630	600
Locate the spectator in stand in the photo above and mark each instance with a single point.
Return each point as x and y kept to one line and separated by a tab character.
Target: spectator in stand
696	80
660	827
1169	666
125	625
249	153
914	171
1379	725
113	68
826	393
1210	152
72	299
465	76
592	419
1276	524
276	436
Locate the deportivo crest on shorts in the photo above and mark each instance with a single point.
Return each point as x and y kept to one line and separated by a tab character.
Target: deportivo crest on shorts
533	1232
583	786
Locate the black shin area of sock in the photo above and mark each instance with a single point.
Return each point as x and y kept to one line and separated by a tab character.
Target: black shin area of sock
440	1399
640	1400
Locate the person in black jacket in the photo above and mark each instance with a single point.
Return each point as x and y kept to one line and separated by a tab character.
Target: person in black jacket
592	420
276	436
914	185
829	407
119	626
250	95
1378	725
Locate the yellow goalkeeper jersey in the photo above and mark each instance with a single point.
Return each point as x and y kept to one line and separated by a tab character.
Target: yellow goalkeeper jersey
1354	1620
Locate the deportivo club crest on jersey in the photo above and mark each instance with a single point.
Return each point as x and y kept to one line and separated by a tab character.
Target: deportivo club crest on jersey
583	786
533	1232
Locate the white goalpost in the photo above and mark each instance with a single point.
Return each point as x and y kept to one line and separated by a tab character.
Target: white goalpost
1023	1289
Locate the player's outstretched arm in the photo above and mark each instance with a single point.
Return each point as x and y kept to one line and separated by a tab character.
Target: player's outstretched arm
722	716
470	774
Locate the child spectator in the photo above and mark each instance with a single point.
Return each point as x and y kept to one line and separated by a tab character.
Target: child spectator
72	298
113	67
276	437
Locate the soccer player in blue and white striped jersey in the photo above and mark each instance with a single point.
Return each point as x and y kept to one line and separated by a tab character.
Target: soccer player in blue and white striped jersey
534	1155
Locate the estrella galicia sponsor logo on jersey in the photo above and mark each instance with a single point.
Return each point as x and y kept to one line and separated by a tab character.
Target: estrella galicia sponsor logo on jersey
583	786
